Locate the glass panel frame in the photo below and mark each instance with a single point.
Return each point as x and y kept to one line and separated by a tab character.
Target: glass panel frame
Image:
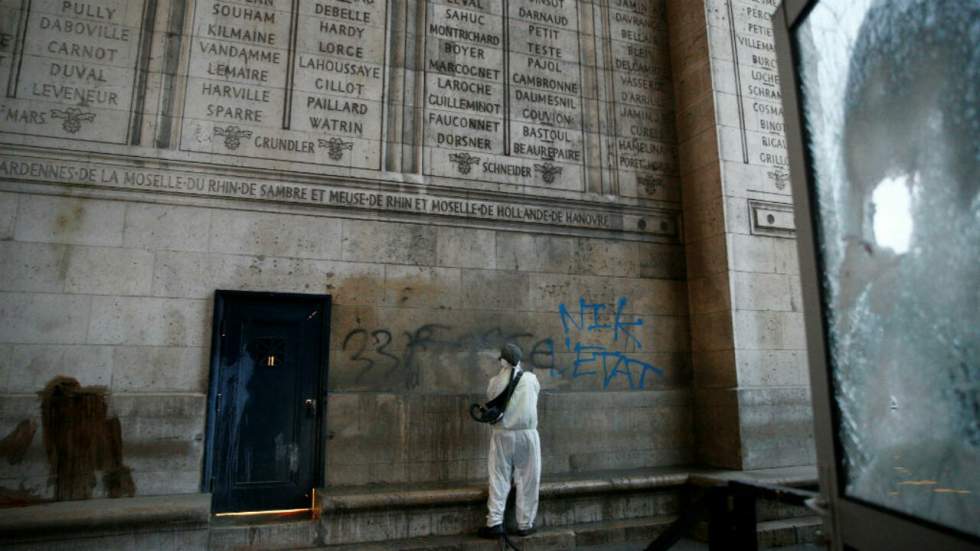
853	523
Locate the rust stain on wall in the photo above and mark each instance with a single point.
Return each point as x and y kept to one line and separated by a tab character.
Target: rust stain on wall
15	444
21	497
81	441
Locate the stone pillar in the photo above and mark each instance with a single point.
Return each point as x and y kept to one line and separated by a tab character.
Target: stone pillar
748	347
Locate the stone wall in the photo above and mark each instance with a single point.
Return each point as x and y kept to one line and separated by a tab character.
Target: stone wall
748	345
137	182
118	295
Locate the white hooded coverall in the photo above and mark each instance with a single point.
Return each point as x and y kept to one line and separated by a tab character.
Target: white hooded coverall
515	450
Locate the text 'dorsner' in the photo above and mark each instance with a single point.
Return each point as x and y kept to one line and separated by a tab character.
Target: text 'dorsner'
69	69
294	80
503	91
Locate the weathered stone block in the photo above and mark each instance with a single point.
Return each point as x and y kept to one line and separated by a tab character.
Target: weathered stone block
8	215
700	151
495	290
711	332
619	258
37	267
536	253
178	408
159	483
253	233
167	228
661	261
769	330
270	274
707	256
704	219
349	528
125	542
71	221
549	291
714	369
389	242
105	271
737	215
751	253
772	368
184	274
354	283
776	427
717	428
755	291
363	429
796	294
415	287
786	256
343	475
31	367
149	321
656	296
710	294
466	248
36	318
159	369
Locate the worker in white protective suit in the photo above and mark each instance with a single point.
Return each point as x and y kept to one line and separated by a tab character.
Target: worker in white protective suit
515	448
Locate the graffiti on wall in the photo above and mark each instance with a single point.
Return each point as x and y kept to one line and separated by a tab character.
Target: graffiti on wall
605	344
374	351
599	341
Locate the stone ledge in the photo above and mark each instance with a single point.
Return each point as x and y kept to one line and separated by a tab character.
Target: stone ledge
786	476
566	537
188	511
356	498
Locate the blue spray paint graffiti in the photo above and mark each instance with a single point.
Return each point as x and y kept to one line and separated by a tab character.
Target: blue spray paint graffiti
591	359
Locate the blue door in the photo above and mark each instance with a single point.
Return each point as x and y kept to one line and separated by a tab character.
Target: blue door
268	362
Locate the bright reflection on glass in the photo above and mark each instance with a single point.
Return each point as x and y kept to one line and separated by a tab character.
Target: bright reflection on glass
892	202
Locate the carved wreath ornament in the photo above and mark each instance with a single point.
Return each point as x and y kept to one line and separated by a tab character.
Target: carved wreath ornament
650	183
233	135
74	117
548	172
780	178
464	162
336	147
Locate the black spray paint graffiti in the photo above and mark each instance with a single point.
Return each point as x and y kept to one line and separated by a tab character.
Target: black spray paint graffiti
371	350
375	352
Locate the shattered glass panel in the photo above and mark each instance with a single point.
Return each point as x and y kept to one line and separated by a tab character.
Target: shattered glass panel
890	97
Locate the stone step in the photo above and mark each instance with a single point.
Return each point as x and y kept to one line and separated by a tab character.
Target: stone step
573	536
791	531
299	535
778	533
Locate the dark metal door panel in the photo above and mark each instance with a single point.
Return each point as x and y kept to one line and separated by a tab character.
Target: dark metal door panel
268	361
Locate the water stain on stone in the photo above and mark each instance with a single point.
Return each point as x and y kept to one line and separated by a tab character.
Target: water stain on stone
69	220
15	444
81	440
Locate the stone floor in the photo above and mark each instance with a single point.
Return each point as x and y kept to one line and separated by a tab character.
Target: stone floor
685	545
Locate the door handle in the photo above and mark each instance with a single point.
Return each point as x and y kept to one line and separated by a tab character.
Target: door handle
310	405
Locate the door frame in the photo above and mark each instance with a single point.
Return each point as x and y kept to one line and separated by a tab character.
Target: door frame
211	419
854	524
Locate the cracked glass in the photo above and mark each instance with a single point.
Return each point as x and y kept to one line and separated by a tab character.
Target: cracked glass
890	96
